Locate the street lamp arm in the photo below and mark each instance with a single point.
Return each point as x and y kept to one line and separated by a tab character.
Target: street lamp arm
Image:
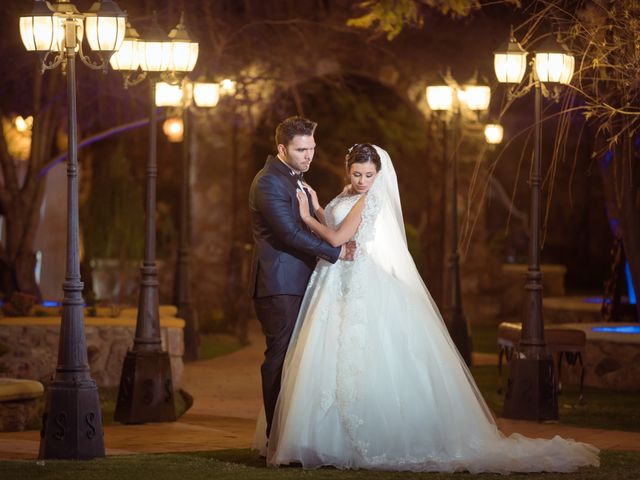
519	90
86	59
48	64
134	78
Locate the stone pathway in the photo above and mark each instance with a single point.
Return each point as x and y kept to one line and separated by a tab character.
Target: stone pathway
227	400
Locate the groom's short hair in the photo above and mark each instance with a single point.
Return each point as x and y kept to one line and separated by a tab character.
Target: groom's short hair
292	126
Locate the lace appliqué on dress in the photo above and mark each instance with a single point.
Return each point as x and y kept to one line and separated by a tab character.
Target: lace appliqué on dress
351	361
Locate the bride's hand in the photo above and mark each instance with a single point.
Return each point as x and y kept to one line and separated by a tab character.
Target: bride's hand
314	196
303	204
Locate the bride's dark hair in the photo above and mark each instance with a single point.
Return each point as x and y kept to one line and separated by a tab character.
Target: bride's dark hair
363	153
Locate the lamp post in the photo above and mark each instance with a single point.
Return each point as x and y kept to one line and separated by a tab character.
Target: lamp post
449	100
531	391
192	94
146	387
72	421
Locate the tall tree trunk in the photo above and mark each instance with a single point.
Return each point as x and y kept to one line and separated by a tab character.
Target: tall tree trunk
20	203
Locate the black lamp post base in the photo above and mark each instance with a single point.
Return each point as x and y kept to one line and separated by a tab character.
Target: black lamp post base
531	392
146	390
72	422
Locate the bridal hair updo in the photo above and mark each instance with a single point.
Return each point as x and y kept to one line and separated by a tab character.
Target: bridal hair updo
363	153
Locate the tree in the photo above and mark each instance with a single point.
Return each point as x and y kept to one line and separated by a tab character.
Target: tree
602	35
20	200
389	17
113	215
30	92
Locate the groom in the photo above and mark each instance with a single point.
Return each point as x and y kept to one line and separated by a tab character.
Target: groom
285	251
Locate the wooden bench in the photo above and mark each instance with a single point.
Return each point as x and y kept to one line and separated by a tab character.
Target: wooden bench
18	403
562	343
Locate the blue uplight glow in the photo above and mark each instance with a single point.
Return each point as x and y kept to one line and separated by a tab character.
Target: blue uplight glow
627	329
630	290
51	303
592	300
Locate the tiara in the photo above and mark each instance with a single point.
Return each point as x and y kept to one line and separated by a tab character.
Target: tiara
352	147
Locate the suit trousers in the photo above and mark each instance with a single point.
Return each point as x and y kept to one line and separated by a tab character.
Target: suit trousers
277	315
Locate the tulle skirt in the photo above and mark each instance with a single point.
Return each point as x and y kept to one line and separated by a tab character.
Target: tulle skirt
372	380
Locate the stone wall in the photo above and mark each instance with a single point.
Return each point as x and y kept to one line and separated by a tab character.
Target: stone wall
612	365
32	344
18	415
611	360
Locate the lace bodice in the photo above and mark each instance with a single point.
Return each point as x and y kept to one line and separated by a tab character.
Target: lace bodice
339	208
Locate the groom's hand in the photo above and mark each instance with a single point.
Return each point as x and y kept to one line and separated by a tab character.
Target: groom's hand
314	196
348	250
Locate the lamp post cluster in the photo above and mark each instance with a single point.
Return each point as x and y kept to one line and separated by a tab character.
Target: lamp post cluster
449	100
531	390
185	97
146	387
72	421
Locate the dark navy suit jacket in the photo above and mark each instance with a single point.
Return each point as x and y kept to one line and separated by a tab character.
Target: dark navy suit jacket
285	251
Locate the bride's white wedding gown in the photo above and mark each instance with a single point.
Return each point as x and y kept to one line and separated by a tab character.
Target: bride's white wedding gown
372	378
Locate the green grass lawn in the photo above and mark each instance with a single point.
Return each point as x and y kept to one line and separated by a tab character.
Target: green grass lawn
608	409
485	338
244	464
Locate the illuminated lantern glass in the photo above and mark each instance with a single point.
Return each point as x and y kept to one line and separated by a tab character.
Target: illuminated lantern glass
173	128
510	62
553	63
105	26
493	133
206	94
38	29
127	57
184	51
155	50
168	95
440	97
476	97
227	87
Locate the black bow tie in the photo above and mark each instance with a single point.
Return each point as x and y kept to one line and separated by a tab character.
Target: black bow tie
297	176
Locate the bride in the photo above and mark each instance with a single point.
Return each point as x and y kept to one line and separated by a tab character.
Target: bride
372	378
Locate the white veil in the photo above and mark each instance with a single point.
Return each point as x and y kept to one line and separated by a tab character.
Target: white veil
382	238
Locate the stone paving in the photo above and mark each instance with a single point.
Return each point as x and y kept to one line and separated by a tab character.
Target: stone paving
227	400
